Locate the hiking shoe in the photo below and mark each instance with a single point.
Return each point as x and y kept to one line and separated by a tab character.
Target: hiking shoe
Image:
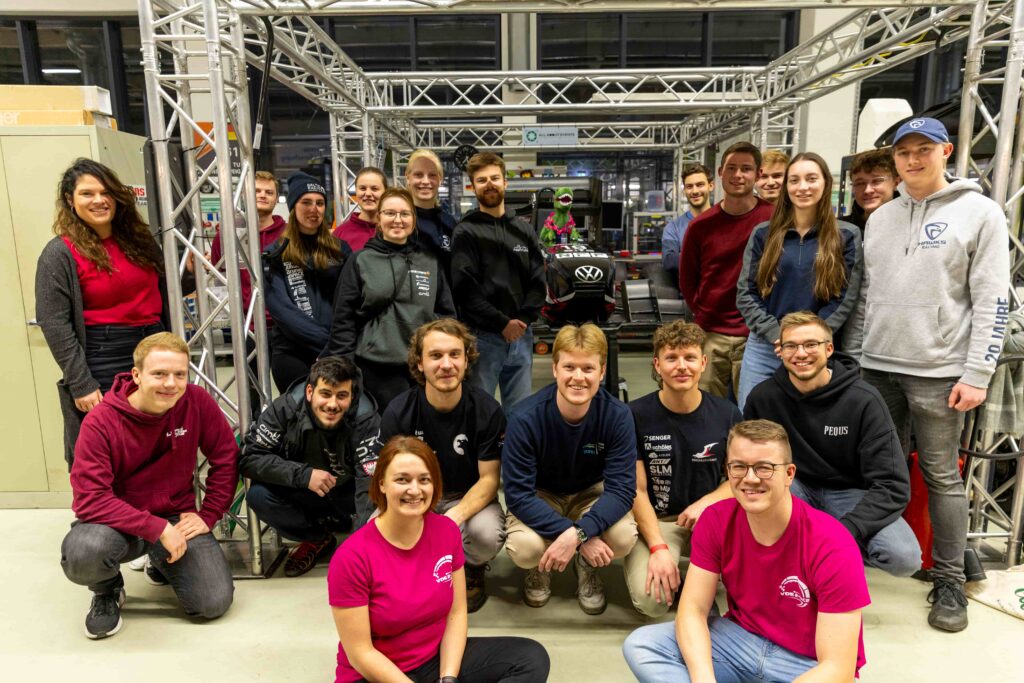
154	576
104	617
476	592
139	563
537	588
305	555
589	587
949	606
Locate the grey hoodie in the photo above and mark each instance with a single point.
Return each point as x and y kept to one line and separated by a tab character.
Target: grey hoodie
934	300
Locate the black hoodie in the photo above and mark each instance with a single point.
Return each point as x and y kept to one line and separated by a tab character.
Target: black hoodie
842	437
497	271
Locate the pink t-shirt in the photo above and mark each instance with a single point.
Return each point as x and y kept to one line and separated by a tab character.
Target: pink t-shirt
409	592
777	591
129	295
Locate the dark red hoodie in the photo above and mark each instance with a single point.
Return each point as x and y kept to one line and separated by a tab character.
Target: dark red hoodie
132	470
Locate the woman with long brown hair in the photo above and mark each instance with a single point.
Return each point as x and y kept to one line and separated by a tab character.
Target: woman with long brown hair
301	272
99	288
803	259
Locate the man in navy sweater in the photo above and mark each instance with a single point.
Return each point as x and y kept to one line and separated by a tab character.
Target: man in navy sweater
849	460
570	475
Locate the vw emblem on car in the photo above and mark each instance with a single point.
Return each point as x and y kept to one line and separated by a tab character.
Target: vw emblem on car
589	273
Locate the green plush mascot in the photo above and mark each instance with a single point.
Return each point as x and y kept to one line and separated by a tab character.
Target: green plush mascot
560	228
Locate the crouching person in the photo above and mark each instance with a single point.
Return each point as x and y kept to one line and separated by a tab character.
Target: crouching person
133	488
310	459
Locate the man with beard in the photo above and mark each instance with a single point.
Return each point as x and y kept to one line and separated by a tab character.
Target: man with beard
569	465
310	459
710	264
698	184
772	176
465	427
848	457
497	283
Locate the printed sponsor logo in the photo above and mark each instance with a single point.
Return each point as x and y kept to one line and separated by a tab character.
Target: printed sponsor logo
837	430
793	587
593	450
443	569
589	273
706	453
459	444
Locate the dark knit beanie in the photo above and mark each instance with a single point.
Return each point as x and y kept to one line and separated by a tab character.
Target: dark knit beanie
301	184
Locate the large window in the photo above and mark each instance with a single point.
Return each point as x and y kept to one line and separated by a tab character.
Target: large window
656	39
376	43
580	41
10	55
421	43
746	38
73	53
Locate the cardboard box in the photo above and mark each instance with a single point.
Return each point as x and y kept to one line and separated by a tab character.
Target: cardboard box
47	117
56	97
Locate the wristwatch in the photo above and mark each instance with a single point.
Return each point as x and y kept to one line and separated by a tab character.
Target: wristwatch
581	535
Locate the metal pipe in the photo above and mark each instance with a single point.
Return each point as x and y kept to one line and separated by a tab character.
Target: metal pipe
1008	107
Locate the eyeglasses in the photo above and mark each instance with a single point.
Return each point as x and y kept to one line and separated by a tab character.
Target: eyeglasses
390	215
808	346
875	182
762	470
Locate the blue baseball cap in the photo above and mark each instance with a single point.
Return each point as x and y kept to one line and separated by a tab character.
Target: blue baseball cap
930	128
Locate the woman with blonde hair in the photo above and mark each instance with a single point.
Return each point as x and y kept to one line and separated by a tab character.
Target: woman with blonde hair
99	288
424	174
301	272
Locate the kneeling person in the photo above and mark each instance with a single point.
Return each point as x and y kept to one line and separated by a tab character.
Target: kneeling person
793	575
680	437
848	456
310	459
570	474
464	426
133	488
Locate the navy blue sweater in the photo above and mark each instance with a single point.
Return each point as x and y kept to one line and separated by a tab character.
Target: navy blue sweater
794	286
543	451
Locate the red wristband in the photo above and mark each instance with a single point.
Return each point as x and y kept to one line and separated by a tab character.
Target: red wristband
660	546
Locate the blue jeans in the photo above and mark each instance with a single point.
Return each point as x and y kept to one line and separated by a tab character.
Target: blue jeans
300	514
759	362
504	364
737	655
894	549
91	555
921	403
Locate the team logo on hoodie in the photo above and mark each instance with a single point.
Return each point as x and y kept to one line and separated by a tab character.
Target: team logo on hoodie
932	232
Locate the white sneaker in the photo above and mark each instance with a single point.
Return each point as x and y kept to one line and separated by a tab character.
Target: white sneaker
589	587
139	563
537	588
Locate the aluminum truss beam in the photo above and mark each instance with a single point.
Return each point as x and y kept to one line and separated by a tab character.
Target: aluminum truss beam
627	135
327	7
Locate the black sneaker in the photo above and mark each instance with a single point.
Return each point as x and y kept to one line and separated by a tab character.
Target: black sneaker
949	606
104	617
304	556
476	591
154	576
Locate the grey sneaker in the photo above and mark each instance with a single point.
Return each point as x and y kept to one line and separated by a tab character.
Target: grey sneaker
104	617
537	588
589	587
949	606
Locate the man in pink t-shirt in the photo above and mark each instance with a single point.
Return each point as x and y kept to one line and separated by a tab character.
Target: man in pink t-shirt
794	578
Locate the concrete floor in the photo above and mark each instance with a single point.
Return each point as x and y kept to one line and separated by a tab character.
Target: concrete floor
281	629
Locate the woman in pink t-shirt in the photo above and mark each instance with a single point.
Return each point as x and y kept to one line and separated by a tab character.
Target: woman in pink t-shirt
398	588
362	225
99	287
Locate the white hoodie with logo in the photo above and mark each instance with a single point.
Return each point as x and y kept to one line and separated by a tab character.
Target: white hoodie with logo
935	297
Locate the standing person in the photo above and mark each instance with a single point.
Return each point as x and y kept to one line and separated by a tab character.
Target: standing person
710	263
310	456
771	178
301	274
434	226
569	464
949	290
803	259
398	589
848	458
386	291
465	428
362	225
873	178
498	284
134	492
680	439
99	288
698	184
793	577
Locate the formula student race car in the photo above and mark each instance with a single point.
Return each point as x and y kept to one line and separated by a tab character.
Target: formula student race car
580	284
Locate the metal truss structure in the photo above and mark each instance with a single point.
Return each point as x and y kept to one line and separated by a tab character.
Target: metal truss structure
206	47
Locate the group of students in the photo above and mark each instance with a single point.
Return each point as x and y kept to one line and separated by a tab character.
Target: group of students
788	500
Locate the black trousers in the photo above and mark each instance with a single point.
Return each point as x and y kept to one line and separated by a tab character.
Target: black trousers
493	660
384	381
108	349
288	361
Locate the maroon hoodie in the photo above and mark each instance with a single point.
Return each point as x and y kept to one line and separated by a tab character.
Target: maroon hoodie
132	470
268	236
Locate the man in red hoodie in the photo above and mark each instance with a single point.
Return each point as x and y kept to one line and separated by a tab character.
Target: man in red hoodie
132	484
710	264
